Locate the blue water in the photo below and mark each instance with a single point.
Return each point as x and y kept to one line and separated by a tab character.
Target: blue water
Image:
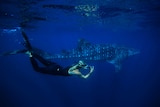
136	85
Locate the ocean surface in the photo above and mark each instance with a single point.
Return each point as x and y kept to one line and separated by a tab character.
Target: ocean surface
129	23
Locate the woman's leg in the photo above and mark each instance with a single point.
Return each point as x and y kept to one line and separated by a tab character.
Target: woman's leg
42	60
36	66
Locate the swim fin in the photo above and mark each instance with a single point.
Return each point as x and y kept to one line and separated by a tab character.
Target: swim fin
26	41
14	52
26	44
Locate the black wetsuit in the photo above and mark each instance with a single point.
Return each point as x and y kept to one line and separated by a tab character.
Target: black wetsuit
50	67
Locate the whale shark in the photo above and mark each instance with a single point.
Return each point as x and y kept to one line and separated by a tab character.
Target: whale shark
85	50
111	53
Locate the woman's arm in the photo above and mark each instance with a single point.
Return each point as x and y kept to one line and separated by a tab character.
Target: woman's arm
87	75
74	70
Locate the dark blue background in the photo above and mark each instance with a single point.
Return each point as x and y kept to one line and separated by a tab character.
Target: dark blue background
136	85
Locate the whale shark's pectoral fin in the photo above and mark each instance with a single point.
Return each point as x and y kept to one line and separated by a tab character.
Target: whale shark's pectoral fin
13	52
117	67
117	64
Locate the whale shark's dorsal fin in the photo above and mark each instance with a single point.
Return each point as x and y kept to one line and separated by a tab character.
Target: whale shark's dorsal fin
65	52
82	43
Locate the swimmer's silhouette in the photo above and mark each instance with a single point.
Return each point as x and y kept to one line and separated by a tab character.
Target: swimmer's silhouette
51	67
